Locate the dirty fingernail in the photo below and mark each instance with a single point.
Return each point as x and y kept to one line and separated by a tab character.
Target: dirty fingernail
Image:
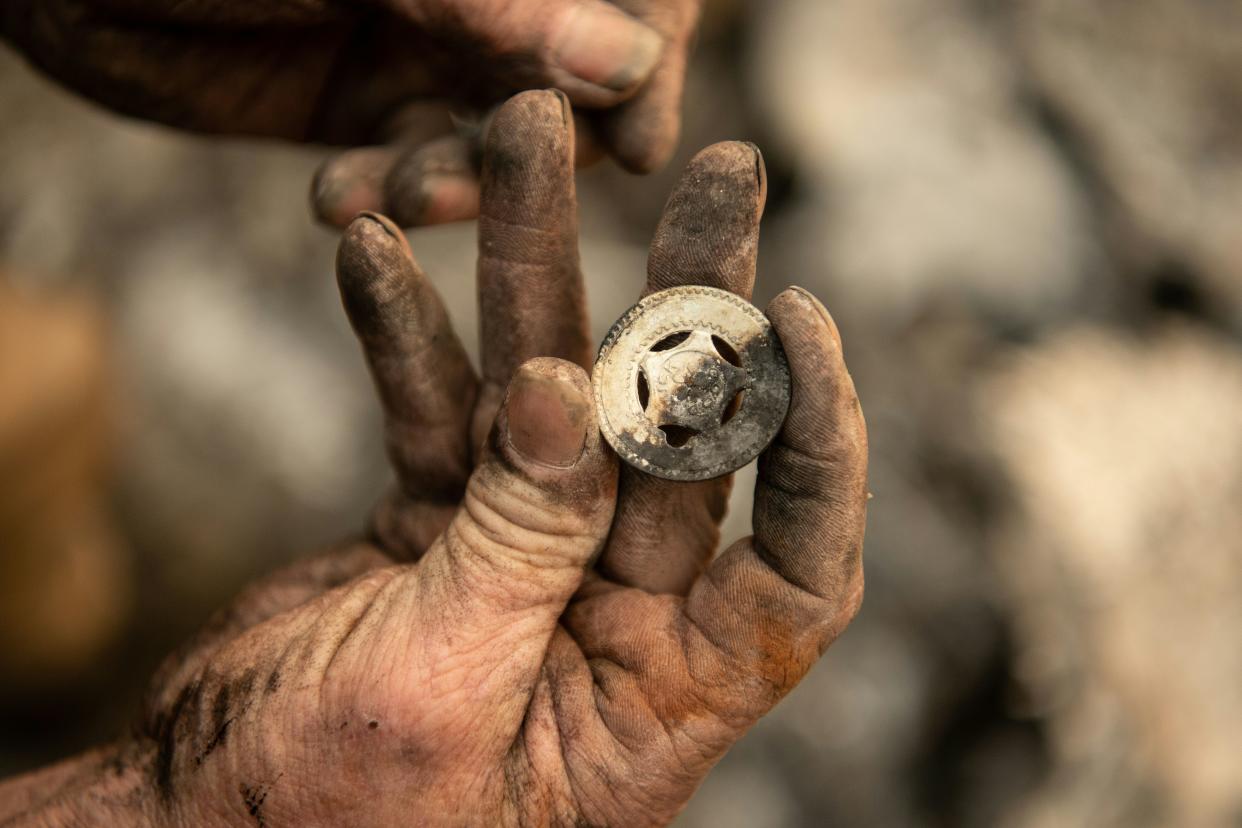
368	220
548	417
384	223
604	46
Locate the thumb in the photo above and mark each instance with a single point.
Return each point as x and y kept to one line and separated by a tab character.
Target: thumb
536	511
590	49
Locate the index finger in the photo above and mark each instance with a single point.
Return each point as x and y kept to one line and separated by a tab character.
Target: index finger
426	385
532	301
665	531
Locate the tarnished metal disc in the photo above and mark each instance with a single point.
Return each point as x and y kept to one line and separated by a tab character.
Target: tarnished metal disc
691	383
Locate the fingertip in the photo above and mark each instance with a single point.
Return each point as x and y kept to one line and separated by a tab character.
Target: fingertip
709	231
643	144
608	52
530	123
742	161
350	183
825	412
370	234
373	266
543	103
796	308
366	221
812	344
433	184
444	198
528	169
727	182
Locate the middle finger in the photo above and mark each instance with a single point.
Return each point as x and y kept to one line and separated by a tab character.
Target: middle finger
664	531
531	298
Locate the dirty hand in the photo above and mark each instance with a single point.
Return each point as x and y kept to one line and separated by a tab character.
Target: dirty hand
388	71
533	636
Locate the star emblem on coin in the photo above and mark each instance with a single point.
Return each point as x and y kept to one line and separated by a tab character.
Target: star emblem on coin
691	383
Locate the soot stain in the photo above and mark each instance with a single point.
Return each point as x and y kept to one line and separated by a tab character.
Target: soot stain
254	797
166	738
221	722
223	713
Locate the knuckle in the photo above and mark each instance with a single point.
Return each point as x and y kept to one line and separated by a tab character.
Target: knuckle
516	520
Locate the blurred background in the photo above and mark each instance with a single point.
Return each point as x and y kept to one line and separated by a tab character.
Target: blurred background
1026	217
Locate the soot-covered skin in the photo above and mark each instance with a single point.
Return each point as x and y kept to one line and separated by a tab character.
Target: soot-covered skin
394	73
521	641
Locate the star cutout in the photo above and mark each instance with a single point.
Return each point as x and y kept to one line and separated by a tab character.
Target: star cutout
690	386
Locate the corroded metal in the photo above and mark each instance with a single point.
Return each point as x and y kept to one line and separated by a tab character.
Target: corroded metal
691	383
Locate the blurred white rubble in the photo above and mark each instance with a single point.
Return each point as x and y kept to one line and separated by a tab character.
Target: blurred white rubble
926	177
1120	558
1148	96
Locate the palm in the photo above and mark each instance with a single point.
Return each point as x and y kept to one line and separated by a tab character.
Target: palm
503	678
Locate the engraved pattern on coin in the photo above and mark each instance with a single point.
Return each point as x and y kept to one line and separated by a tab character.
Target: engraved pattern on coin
691	383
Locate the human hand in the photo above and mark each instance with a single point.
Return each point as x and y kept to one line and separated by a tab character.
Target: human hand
393	72
556	645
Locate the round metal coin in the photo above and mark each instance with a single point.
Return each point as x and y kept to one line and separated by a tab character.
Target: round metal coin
691	383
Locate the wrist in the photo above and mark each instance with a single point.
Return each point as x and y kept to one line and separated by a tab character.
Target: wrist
107	786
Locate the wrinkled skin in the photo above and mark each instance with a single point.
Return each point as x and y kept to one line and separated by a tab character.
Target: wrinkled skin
531	636
393	72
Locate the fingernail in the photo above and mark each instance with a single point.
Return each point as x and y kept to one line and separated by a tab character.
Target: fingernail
604	46
761	169
384	225
548	417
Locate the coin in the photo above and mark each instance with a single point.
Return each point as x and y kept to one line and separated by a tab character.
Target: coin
691	383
